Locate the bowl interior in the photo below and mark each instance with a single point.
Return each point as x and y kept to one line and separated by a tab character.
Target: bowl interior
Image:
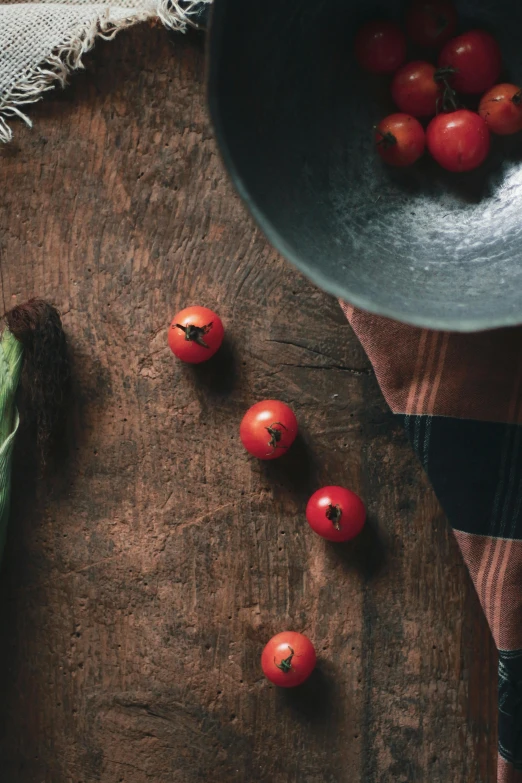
294	116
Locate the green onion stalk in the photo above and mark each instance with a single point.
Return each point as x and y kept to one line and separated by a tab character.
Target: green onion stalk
34	377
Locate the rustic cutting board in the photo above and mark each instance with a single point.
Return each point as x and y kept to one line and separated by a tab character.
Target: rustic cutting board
142	582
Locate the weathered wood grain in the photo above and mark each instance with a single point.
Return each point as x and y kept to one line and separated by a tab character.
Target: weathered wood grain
141	583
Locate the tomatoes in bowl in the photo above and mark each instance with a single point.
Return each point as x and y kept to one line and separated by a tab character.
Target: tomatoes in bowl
336	514
459	141
400	140
473	62
268	429
195	334
380	47
431	23
415	89
501	109
288	659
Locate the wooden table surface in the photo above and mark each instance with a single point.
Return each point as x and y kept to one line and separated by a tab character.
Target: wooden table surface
141	583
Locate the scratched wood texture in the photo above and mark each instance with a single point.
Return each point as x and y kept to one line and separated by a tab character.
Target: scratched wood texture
142	581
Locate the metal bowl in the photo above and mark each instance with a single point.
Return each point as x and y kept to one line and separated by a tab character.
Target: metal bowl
294	115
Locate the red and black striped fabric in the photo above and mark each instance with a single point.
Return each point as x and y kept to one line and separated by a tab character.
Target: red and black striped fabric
460	397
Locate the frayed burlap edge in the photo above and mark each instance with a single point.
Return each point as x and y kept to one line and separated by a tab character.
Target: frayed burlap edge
29	86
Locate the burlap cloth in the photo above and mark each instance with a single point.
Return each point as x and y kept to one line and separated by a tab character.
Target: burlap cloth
41	42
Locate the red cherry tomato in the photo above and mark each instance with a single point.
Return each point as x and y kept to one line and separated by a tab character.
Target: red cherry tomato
400	140
380	47
195	334
288	659
476	60
415	90
336	514
501	108
268	429
430	23
459	141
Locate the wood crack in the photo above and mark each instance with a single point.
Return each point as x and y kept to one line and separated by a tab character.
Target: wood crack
367	371
351	370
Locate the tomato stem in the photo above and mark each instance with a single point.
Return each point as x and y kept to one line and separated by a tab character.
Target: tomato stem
195	334
334	514
275	435
442	75
388	140
448	101
286	663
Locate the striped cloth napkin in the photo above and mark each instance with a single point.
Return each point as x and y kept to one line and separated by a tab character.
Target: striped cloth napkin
459	396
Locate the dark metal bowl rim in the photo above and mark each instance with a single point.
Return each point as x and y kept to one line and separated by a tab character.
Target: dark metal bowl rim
338	290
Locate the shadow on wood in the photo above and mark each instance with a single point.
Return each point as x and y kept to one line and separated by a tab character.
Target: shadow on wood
219	376
316	700
296	472
367	554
